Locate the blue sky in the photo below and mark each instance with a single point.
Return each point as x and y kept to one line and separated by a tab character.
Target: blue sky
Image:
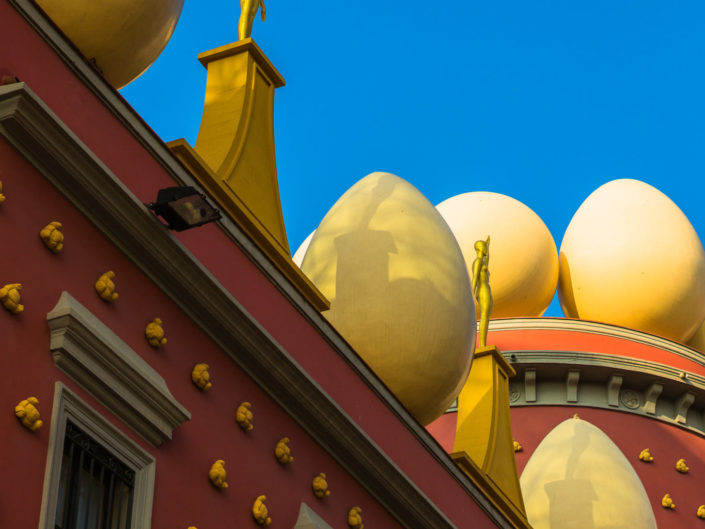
543	101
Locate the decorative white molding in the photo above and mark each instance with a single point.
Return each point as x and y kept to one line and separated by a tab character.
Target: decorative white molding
571	385
530	385
682	405
611	382
68	406
105	366
614	385
308	519
652	394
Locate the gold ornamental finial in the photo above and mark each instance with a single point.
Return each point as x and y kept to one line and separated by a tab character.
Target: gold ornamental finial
481	287
248	10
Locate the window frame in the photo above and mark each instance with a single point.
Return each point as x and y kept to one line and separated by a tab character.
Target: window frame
309	519
68	406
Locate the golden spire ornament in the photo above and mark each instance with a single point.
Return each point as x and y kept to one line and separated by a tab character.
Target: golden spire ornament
248	11
481	287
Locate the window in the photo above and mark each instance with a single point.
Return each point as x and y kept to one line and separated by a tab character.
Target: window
96	477
95	490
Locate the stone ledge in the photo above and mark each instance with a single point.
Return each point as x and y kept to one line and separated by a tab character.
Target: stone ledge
598	380
105	366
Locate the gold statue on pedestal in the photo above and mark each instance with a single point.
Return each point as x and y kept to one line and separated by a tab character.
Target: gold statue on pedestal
248	10
481	287
484	447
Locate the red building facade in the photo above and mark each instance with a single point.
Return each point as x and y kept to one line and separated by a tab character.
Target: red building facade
73	151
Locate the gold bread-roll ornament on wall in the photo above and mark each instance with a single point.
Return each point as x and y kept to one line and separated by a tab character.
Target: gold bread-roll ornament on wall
218	475
244	416
320	486
28	414
154	332
105	287
355	518
52	237
282	452
201	377
10	297
645	456
682	467
260	512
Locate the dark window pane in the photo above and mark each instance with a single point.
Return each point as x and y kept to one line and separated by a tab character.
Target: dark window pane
95	488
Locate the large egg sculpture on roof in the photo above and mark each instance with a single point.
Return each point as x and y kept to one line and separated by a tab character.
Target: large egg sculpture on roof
631	257
523	256
122	37
579	478
300	252
398	289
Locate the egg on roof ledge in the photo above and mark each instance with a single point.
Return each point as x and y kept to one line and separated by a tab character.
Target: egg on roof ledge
630	257
523	256
399	291
122	37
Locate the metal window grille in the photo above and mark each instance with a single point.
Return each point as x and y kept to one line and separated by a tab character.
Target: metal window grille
96	488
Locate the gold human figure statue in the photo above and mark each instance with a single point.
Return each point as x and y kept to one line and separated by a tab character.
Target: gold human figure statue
248	10
481	287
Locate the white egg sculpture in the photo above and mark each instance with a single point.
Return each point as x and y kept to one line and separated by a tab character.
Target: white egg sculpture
298	256
523	255
398	289
579	478
630	257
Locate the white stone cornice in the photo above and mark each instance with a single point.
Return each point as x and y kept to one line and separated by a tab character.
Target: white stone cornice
101	363
650	389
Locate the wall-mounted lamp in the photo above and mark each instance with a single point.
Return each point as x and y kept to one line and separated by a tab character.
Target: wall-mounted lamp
183	208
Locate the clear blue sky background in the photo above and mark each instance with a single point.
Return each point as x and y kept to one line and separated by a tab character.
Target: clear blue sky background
543	101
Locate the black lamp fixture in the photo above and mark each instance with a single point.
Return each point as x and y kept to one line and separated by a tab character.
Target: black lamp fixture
183	208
